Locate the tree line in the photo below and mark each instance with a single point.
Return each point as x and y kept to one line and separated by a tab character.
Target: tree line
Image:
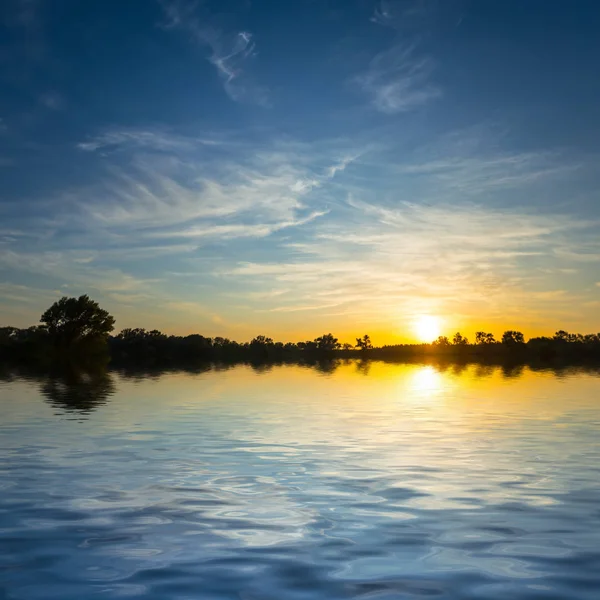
77	328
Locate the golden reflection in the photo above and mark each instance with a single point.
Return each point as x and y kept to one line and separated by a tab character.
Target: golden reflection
479	397
426	381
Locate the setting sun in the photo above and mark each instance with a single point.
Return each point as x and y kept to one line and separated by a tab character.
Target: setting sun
427	328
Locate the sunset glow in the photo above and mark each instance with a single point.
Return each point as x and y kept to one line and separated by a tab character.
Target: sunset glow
427	328
241	185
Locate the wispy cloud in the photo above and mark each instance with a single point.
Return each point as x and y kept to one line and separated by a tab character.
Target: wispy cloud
414	258
162	199
148	197
153	139
399	80
341	165
65	266
330	228
404	14
23	293
230	51
240	230
179	193
479	173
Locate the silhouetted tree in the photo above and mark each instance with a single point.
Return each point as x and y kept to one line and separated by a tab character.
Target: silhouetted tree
137	345
30	344
79	323
459	339
327	343
309	346
571	338
261	340
8	334
482	338
261	347
364	343
513	338
71	321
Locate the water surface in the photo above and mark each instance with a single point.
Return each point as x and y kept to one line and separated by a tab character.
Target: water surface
366	481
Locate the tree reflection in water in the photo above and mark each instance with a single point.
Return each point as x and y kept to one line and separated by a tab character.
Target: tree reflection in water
78	390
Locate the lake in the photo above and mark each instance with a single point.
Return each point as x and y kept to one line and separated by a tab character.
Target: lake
365	480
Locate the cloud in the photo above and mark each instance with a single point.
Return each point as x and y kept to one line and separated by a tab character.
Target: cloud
480	173
151	197
578	252
337	231
140	138
340	165
240	230
23	293
398	80
404	14
65	266
414	258
230	51
170	186
163	200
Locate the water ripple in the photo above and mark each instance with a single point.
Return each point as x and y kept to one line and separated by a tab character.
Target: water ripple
238	485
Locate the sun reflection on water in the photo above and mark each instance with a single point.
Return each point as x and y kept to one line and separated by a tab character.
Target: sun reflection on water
427	381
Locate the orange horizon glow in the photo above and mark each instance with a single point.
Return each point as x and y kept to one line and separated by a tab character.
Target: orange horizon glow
423	329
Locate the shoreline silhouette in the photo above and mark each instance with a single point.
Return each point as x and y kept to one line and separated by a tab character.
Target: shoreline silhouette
77	330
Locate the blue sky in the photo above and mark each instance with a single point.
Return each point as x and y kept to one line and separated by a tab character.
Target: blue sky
298	167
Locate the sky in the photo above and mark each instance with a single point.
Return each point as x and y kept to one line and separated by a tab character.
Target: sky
251	167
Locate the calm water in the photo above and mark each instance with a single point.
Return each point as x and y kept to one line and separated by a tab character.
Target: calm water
371	481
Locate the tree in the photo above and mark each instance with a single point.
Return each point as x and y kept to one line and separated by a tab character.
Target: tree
327	343
482	338
512	338
441	341
459	340
261	340
347	346
8	333
563	336
261	347
73	320
364	343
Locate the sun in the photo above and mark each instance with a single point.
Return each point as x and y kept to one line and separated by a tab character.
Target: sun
427	328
